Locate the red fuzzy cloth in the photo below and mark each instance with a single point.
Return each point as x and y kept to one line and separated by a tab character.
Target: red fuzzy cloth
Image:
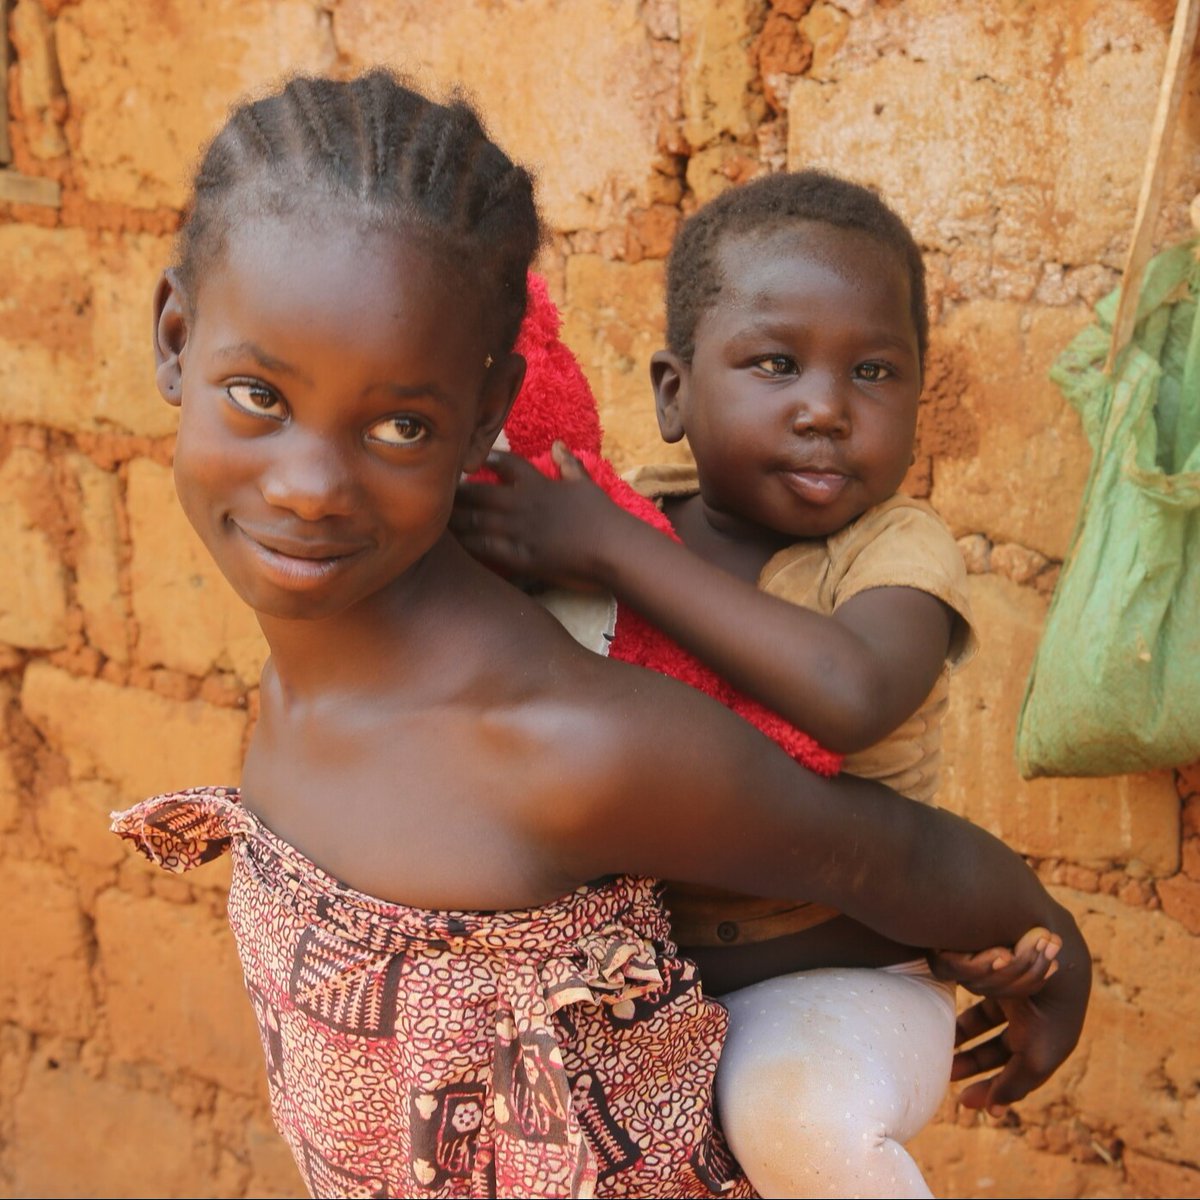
556	404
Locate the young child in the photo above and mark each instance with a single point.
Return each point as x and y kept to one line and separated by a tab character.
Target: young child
797	331
452	816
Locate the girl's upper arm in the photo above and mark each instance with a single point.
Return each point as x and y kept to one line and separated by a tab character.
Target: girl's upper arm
673	785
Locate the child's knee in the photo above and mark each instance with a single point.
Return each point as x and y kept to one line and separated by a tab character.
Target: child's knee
834	1068
792	1101
815	1140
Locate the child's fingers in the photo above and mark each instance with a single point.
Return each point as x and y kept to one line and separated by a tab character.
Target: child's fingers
477	503
1000	972
1020	981
1012	1082
480	495
1034	953
968	968
999	1075
1029	968
987	1056
981	1094
567	463
977	1020
495	548
511	468
1035	940
1017	979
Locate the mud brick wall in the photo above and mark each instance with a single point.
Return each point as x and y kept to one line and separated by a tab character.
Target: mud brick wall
1010	134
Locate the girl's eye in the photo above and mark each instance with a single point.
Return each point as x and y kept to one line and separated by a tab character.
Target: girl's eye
398	431
256	399
778	364
873	372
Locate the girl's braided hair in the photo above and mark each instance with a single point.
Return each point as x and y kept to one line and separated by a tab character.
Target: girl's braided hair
404	160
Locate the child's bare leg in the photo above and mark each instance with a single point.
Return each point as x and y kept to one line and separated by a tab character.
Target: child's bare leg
827	1073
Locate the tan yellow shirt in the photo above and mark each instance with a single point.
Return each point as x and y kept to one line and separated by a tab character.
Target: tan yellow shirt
899	543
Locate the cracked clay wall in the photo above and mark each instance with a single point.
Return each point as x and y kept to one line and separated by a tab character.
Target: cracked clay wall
1010	134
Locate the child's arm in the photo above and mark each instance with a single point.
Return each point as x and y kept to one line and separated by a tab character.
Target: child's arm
847	680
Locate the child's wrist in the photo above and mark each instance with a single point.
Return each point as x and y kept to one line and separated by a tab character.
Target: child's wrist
618	544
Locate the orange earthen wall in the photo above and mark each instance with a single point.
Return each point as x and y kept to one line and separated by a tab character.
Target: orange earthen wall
1010	134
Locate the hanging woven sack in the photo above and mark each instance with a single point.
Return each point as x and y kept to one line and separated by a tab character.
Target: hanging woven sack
1115	684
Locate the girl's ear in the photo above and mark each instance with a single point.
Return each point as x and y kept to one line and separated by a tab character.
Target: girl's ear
501	384
669	376
170	337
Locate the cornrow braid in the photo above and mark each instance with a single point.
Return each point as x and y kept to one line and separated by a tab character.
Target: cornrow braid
374	129
400	158
694	278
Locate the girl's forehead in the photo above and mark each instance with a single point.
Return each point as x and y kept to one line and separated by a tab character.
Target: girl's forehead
320	236
307	292
338	269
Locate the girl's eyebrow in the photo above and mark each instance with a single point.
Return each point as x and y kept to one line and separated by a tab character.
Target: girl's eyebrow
431	390
276	365
267	361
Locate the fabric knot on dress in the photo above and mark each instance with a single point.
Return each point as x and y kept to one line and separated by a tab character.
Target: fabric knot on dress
612	966
181	830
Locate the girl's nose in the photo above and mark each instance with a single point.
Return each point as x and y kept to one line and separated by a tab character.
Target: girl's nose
821	407
309	477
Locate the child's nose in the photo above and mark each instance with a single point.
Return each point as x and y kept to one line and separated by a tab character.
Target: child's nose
309	477
821	406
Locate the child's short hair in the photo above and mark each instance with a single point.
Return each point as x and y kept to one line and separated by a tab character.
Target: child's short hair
403	159
693	270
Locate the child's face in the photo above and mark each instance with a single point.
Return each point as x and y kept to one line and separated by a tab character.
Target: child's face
333	387
800	403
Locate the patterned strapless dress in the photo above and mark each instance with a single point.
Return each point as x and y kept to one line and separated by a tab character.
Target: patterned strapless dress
563	1050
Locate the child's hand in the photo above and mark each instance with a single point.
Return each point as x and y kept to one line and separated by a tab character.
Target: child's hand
1025	1038
1001	973
534	527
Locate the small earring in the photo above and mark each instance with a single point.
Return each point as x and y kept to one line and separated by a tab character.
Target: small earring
487	362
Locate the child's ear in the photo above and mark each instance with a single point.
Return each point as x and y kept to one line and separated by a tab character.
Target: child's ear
170	337
500	387
669	376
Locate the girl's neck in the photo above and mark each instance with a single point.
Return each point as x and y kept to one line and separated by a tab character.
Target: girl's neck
390	638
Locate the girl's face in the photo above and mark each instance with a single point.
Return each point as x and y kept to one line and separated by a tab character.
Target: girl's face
800	403
334	387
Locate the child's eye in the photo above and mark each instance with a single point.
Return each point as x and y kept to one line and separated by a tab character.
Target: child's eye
398	431
777	364
873	372
256	399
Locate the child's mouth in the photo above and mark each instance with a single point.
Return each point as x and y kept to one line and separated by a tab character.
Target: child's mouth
816	487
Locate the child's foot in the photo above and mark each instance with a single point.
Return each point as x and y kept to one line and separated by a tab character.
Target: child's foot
999	971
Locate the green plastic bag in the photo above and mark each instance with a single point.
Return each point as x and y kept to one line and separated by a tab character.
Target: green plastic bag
1115	684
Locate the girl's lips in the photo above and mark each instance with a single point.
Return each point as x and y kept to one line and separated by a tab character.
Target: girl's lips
816	487
298	571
